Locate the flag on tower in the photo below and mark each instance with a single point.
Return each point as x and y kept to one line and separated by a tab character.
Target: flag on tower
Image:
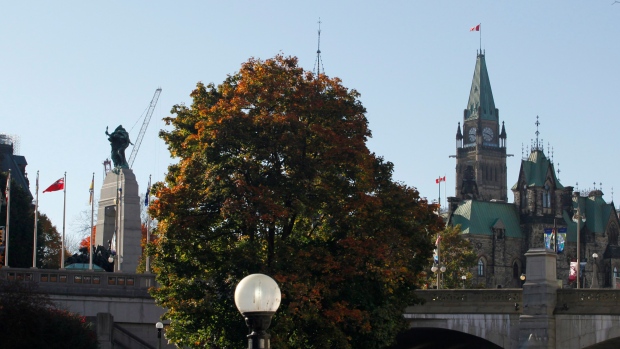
440	179
58	185
475	28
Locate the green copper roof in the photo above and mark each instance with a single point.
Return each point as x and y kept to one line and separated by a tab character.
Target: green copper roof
480	94
535	170
595	209
479	217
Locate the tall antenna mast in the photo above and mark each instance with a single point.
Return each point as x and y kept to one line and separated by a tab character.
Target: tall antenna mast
319	62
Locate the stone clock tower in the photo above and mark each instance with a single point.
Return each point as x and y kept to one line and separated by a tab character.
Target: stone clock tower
481	145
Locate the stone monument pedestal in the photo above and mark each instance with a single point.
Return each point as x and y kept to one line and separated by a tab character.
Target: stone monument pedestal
118	215
537	323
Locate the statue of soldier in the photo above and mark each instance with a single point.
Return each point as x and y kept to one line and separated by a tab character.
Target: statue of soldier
119	141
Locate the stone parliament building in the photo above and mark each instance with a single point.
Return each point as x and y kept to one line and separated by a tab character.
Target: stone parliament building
502	232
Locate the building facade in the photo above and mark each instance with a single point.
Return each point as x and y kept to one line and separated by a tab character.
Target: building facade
543	213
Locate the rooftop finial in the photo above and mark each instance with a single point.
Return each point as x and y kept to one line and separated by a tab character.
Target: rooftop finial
319	61
537	133
559	171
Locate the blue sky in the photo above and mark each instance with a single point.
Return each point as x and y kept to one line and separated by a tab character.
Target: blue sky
68	69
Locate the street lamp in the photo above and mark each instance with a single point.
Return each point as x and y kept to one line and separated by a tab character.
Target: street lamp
159	326
594	283
522	277
463	278
438	271
257	297
578	218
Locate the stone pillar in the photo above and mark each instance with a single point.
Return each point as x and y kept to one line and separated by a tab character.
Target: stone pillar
105	327
126	221
537	322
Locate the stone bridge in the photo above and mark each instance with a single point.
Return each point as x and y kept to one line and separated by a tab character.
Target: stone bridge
538	316
118	304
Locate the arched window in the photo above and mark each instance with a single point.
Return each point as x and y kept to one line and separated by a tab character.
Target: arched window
515	270
524	197
481	267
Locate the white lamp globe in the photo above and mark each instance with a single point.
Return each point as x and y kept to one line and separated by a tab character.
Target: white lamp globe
257	293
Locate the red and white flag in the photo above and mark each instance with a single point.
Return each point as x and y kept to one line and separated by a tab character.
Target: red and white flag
58	185
572	274
475	28
438	240
440	179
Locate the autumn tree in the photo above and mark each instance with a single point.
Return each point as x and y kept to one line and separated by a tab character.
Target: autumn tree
274	176
457	255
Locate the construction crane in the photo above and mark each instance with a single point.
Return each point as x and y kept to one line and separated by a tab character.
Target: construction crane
145	124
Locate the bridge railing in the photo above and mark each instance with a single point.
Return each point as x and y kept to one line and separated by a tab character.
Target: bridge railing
595	301
493	301
80	282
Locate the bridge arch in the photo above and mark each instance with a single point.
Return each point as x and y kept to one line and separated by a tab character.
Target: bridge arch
498	329
587	331
428	337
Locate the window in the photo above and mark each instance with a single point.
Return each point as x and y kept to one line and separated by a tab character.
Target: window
546	197
481	267
613	235
524	197
515	270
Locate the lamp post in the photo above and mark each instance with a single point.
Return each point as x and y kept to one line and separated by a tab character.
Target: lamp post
578	218
463	278
438	270
594	283
522	277
159	326
258	297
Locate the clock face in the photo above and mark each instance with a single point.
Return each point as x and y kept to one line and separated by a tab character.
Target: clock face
487	133
472	134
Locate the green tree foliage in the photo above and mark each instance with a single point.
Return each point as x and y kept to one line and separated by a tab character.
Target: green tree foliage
22	228
457	255
28	319
274	176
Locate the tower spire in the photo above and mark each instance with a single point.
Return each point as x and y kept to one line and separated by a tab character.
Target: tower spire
318	65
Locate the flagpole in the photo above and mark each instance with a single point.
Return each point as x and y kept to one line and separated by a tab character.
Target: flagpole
92	215
439	199
8	215
120	242
117	218
36	216
480	38
64	214
148	223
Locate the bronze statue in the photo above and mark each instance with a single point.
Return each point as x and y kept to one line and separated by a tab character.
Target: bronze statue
119	141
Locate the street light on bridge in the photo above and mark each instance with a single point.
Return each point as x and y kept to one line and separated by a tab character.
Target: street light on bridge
159	325
578	217
438	271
